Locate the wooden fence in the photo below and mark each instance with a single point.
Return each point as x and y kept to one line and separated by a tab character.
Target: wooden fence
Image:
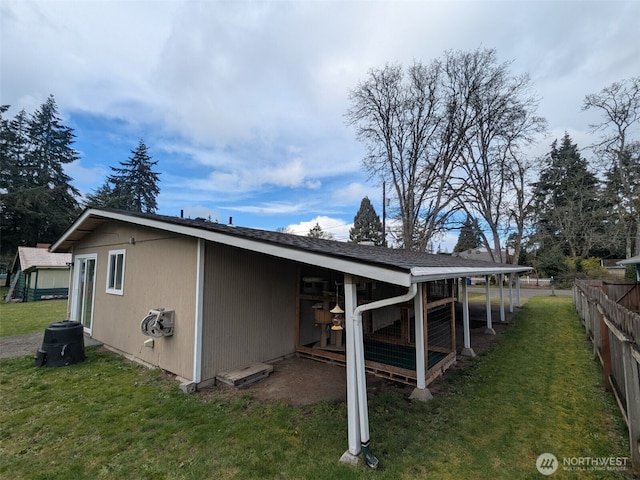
609	312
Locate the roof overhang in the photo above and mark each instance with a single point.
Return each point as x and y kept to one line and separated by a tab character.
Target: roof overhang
630	261
46	267
420	274
90	219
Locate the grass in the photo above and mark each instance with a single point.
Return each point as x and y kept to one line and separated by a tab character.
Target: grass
32	317
537	391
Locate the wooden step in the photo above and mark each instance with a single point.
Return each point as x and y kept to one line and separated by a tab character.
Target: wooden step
245	376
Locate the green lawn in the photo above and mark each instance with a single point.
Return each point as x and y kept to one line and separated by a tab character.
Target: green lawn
538	391
32	317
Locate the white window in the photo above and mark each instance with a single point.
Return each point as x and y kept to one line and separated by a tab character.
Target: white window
115	272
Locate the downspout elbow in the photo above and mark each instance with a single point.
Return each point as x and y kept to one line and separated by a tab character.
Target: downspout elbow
357	313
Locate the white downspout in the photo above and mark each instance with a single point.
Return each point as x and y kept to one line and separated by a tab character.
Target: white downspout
199	298
361	380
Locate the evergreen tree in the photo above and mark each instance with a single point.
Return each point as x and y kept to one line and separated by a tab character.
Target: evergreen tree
103	197
38	200
367	226
470	237
317	232
133	186
567	204
621	191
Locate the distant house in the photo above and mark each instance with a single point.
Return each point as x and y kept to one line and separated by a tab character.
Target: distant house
613	267
38	274
632	261
481	253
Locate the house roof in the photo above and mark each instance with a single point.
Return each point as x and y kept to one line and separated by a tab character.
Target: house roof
397	266
630	261
32	258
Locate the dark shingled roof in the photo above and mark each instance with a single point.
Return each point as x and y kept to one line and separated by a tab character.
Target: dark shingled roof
397	259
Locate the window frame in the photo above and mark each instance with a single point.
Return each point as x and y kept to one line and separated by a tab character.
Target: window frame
111	274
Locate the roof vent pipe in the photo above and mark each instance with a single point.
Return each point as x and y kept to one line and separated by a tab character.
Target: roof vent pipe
230	220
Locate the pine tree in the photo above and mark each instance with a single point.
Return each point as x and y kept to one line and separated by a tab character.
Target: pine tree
567	202
469	236
317	232
38	200
133	186
366	225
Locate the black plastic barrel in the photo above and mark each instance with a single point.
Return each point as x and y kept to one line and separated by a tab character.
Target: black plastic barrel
63	344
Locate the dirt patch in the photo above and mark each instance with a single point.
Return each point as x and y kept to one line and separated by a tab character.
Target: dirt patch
302	381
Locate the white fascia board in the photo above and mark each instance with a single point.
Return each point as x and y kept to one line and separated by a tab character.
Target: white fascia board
74	226
427	274
341	265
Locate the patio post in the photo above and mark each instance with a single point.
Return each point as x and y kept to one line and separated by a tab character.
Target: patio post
501	279
467	351
351	456
421	392
510	293
489	330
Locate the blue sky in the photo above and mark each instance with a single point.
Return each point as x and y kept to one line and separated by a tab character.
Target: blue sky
242	103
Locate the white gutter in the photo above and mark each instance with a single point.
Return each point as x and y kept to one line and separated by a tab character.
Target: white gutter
358	355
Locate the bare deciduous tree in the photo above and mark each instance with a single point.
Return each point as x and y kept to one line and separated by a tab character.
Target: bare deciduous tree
491	178
406	120
448	136
619	104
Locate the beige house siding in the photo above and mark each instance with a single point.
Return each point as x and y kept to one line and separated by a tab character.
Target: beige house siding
160	271
49	278
248	309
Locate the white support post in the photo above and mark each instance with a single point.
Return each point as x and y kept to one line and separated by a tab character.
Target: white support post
489	330
467	351
197	351
351	456
518	301
510	293
421	392
501	280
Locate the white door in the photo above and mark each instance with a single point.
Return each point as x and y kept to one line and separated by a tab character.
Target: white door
84	287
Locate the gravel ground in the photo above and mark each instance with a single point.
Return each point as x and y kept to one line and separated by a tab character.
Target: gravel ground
28	344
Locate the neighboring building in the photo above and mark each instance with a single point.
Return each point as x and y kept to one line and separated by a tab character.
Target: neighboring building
481	253
632	261
236	296
613	267
37	274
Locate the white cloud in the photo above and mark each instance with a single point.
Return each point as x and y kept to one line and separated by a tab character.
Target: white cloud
270	208
338	228
246	99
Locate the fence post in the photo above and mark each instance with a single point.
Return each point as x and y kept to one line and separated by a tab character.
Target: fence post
605	353
631	358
